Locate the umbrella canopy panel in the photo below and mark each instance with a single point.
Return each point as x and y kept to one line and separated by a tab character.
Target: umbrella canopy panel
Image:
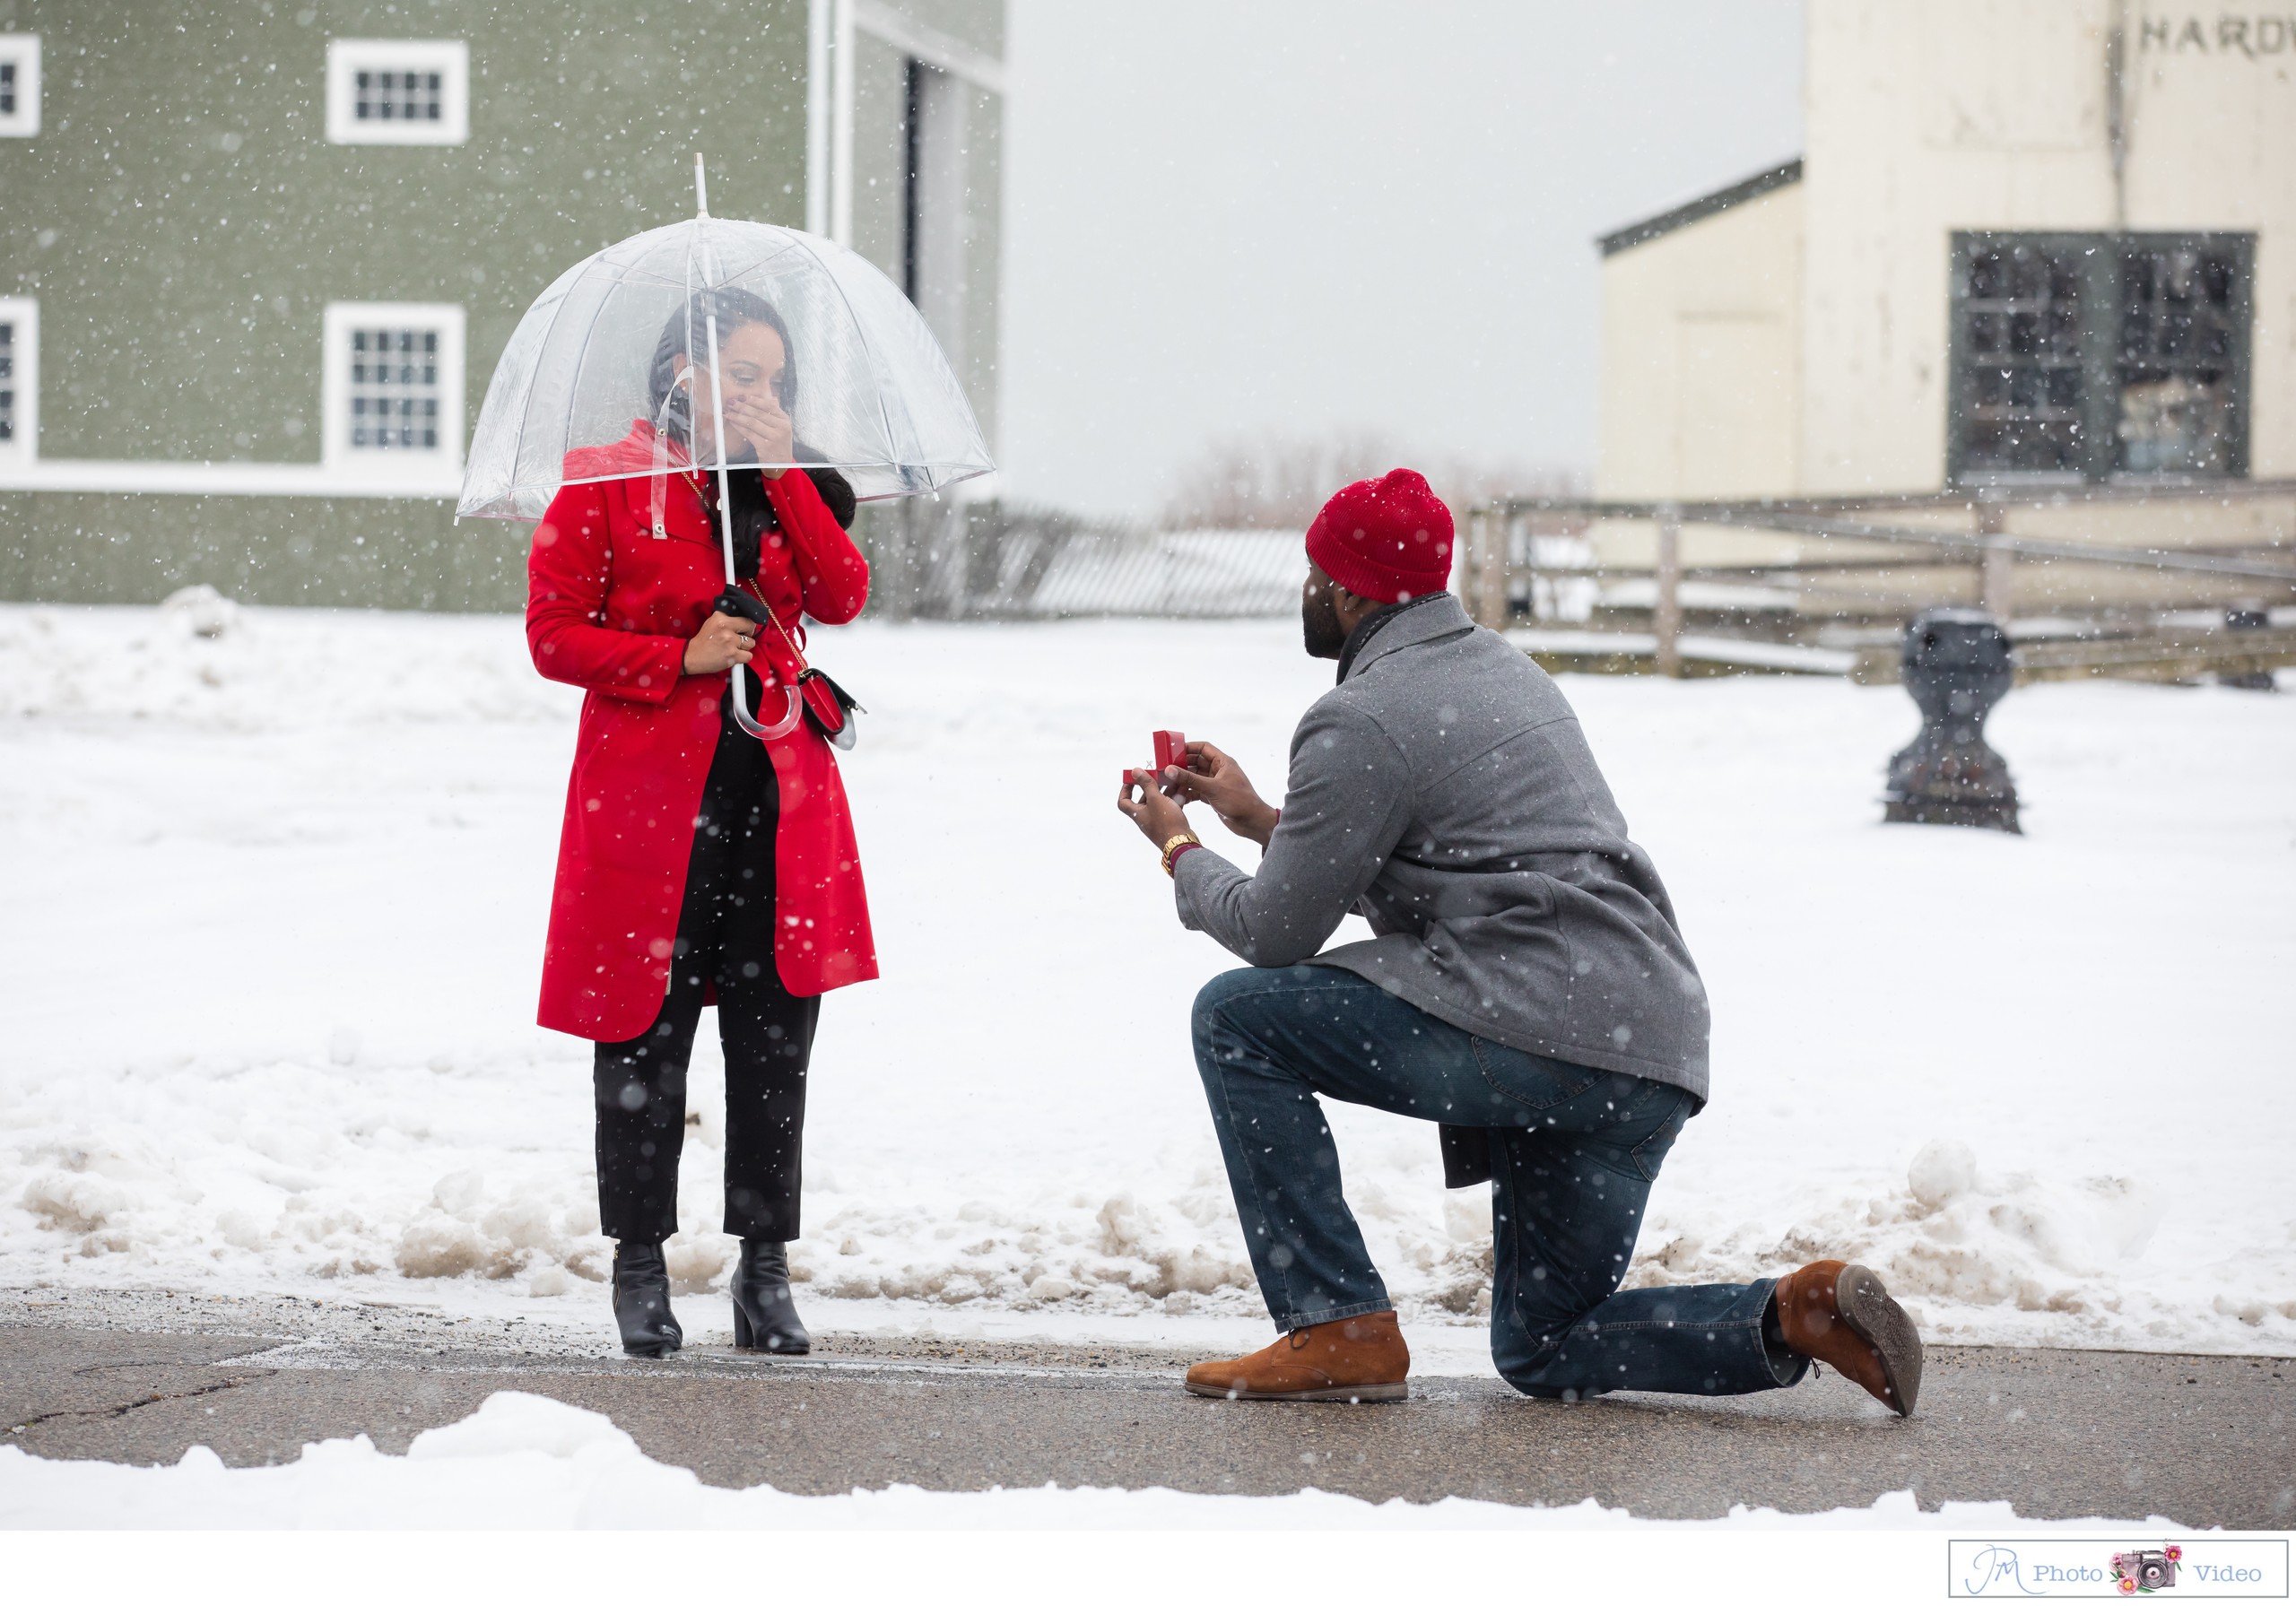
870	393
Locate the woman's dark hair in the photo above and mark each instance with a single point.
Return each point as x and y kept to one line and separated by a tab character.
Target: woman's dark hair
736	309
754	514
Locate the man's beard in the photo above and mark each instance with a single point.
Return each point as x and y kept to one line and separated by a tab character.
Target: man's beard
1319	623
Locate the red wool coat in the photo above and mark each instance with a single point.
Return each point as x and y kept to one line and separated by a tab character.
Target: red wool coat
609	607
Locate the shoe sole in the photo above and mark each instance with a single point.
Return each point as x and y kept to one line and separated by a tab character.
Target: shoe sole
1882	1322
1362	1394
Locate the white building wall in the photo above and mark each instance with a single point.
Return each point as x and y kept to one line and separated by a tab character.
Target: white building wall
1700	368
1922	120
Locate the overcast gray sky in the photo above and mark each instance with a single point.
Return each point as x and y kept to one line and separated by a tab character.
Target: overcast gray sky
1231	216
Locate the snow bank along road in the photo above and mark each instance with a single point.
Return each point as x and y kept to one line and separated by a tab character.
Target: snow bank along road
274	902
2201	1441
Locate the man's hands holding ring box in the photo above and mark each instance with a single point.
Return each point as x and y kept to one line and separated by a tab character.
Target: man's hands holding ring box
1190	772
1212	778
1158	816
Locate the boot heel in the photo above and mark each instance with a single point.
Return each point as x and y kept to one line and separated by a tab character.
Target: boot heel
765	1317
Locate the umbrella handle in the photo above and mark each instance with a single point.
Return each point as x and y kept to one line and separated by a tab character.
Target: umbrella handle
764	732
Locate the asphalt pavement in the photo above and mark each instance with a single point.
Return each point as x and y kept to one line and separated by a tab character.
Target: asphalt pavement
139	1378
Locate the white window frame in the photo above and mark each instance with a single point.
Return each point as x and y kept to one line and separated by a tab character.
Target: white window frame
23	313
346	58
23	50
445	462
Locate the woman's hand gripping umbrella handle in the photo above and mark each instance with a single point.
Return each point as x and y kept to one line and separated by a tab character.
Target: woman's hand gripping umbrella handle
742	604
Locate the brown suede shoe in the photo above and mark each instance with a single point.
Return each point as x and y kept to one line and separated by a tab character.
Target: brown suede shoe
1843	1316
1358	1359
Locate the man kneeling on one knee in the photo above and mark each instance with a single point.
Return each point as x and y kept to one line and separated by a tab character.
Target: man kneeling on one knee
1526	987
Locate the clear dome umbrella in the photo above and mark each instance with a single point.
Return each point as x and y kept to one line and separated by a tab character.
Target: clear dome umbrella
585	389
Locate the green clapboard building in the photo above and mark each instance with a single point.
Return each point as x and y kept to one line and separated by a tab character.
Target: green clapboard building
259	255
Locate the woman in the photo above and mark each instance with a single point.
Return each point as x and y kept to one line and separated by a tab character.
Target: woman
696	864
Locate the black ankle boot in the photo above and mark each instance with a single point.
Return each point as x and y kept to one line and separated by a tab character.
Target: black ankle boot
765	1315
641	1301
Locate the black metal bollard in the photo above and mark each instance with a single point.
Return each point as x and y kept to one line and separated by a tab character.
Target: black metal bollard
2254	679
1956	667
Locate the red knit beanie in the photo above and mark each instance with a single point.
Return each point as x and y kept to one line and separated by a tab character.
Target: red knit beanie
1387	540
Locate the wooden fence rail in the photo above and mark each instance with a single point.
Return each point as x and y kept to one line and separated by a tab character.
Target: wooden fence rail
1501	552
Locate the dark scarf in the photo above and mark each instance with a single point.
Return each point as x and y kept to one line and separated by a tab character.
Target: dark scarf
1369	626
753	513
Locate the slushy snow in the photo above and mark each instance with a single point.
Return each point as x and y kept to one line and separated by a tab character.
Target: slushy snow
277	883
525	1462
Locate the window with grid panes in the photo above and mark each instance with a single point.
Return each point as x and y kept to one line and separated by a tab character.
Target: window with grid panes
2096	356
394	393
7	382
2021	342
403	97
2182	328
19	86
398	92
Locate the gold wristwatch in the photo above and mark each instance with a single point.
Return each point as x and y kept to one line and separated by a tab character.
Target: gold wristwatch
1177	843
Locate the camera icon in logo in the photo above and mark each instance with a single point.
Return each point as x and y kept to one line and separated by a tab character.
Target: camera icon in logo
2141	1571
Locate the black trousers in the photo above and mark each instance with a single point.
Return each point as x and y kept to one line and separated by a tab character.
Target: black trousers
725	939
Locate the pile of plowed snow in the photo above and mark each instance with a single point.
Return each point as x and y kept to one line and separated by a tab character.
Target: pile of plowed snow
277	883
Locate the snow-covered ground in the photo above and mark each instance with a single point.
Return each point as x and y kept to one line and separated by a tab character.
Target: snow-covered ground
273	909
525	1462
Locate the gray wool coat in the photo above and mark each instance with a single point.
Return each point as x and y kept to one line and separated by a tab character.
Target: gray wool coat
1444	791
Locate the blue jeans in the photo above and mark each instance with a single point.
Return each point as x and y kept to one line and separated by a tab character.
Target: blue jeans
1574	1152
